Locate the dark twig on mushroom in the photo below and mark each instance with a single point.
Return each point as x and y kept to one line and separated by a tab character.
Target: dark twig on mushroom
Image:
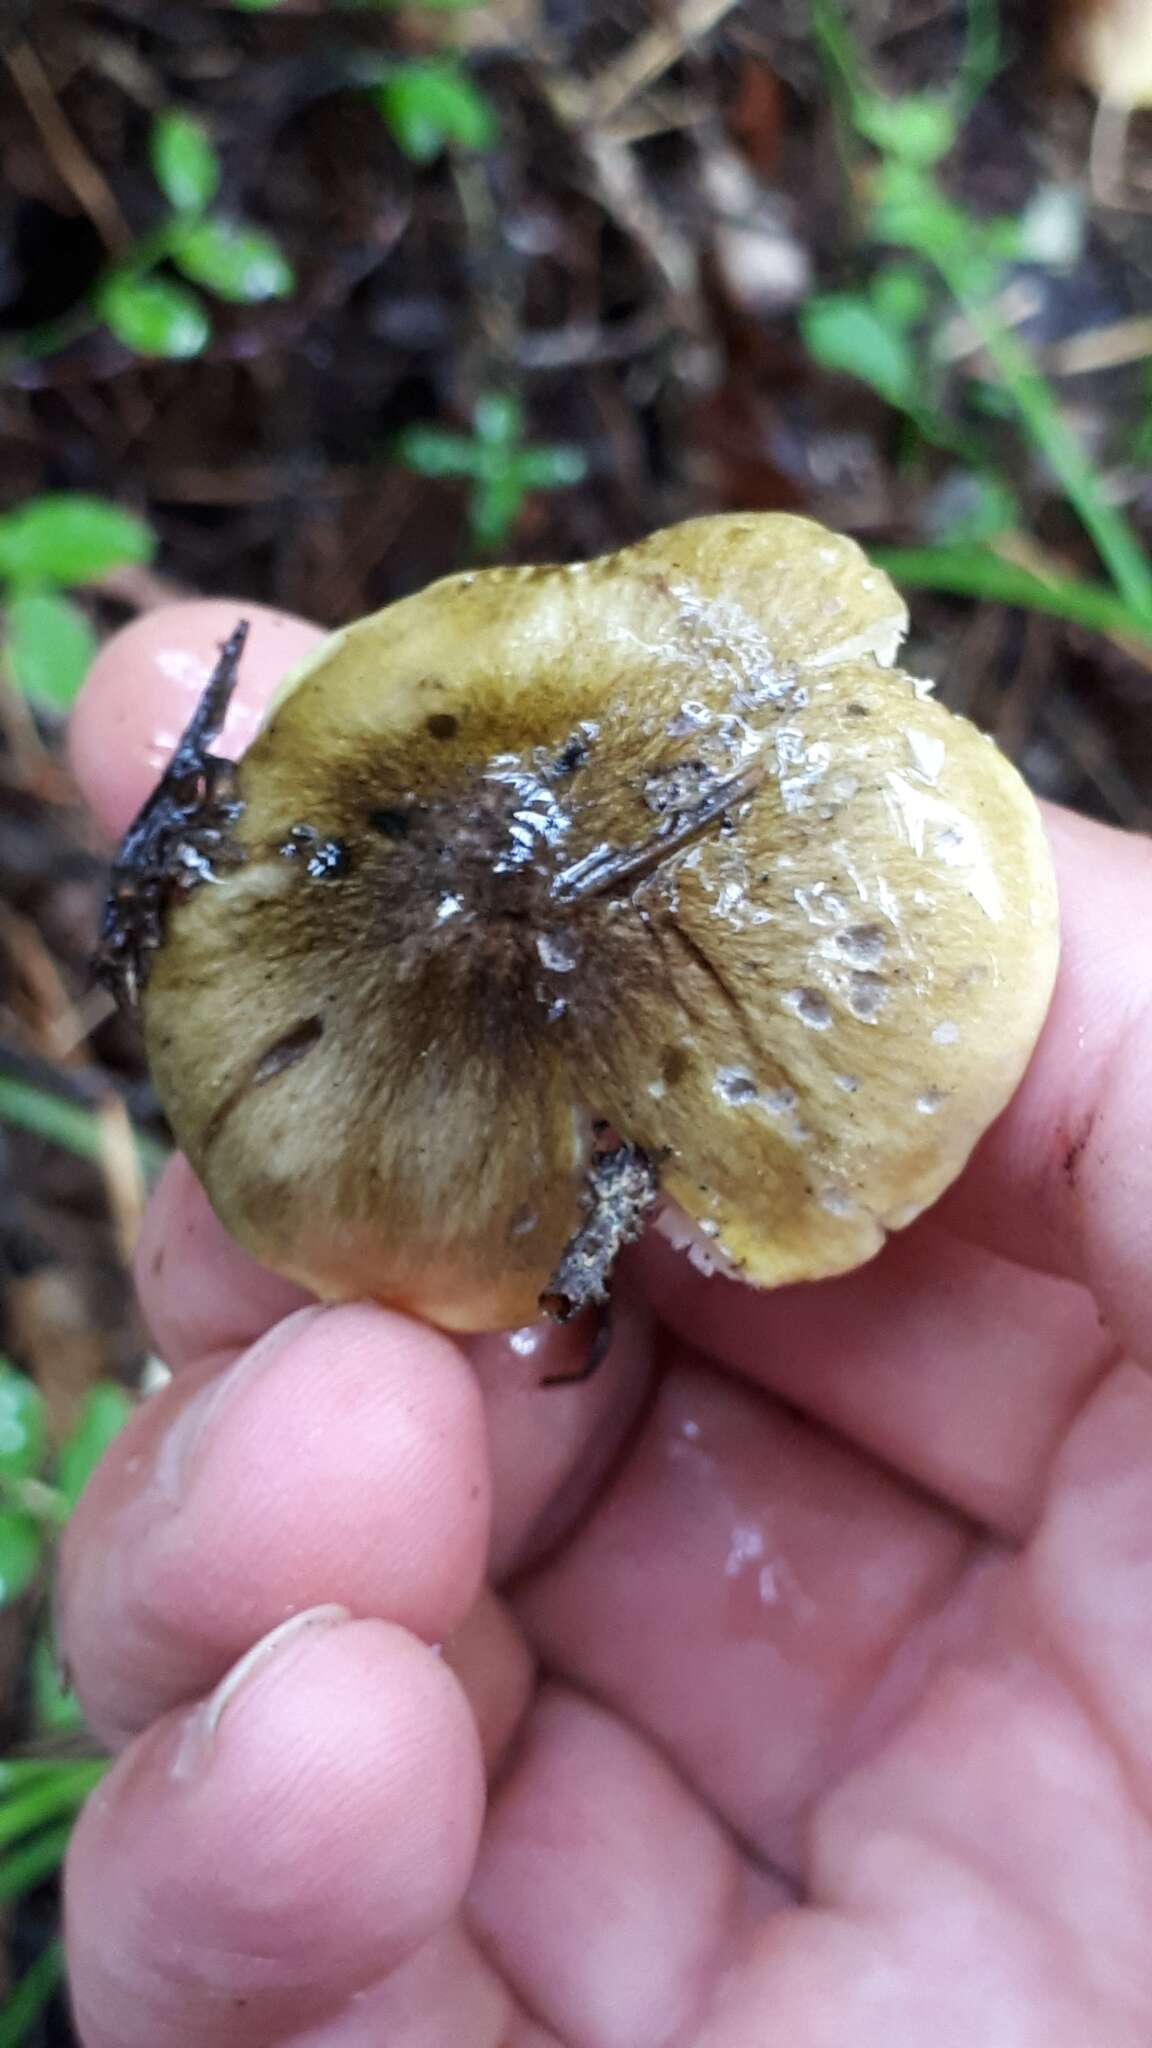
622	1189
607	867
176	841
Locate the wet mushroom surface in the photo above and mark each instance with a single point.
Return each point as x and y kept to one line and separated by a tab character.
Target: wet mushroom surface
548	894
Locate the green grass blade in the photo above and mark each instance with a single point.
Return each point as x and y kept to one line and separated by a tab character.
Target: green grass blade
965	571
63	1793
1040	415
25	1868
66	1123
28	1998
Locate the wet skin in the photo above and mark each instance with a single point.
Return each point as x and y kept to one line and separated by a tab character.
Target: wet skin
813	1694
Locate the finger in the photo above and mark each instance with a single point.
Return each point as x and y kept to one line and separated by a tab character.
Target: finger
987	1874
145	684
548	1447
1042	1188
342	1458
955	1367
199	1292
1087	1576
446	1992
491	1659
248	1867
605	1893
741	1597
551	1444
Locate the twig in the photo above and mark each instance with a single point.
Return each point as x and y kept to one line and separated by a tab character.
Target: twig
1103	348
51	1016
122	1170
66	150
649	56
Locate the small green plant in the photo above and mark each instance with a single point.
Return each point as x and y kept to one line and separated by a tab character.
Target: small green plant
155	316
431	104
40	1796
149	310
887	334
501	466
48	546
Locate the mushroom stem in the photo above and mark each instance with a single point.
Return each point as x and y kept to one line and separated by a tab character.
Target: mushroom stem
622	1189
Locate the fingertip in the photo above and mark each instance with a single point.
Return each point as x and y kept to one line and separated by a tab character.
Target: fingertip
247	1867
342	1458
1025	1194
199	1292
144	685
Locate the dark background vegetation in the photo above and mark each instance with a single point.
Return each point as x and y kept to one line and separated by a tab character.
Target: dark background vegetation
666	186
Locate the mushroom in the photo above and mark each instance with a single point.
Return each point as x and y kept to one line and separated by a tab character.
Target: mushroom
1107	45
551	894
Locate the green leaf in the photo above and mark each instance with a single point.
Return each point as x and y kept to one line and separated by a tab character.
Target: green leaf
103	1416
21	1546
238	263
21	1423
495	508
551	469
184	162
30	1995
49	647
909	210
429	105
918	128
498	419
17	1772
153	317
66	537
845	333
432	451
967	571
900	295
60	1792
34	1862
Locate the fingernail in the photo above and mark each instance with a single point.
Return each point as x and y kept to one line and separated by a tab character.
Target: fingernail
178	1456
194	1753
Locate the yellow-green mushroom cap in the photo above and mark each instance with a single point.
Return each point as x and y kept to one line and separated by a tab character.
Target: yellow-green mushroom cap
658	841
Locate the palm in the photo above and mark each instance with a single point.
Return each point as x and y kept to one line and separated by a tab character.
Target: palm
814	1707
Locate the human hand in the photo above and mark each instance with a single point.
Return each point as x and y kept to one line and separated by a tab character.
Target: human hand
815	1697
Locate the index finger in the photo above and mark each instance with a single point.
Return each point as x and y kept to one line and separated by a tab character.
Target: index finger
1063	1180
145	684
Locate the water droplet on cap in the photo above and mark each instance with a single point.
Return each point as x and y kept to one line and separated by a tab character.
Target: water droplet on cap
809	1006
